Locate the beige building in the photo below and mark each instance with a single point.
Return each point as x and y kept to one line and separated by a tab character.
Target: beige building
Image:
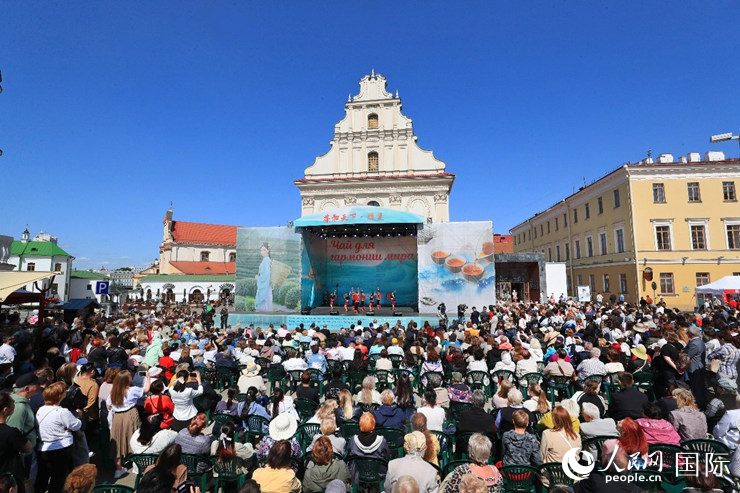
374	160
673	223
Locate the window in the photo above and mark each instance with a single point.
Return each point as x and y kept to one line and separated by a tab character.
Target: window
617	203
592	283
374	203
733	237
663	237
693	188
666	283
55	288
577	249
549	254
542	230
589	246
623	283
605	281
658	193
567	251
372	121
232	257
702	278
602	244
575	216
580	280
556	224
89	287
205	256
557	253
372	162
58	267
619	240
728	191
698	237
535	232
600	204
31	266
548	227
588	211
565	220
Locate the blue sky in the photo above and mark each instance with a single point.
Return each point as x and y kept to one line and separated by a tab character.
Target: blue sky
111	110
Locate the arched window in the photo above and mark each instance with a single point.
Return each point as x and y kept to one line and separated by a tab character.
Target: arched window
373	203
205	256
232	257
372	161
372	121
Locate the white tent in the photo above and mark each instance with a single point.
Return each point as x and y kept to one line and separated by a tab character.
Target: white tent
726	285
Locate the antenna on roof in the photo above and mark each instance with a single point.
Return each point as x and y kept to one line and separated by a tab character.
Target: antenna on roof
584	181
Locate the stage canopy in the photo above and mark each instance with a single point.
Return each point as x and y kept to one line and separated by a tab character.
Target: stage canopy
11	281
726	285
358	215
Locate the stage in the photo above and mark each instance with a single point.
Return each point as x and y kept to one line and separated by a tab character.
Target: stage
320	316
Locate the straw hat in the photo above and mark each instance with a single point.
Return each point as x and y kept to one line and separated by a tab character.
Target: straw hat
283	427
415	442
639	351
252	369
640	327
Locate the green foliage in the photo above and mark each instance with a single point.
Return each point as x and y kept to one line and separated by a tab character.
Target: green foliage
244	303
293	297
246	287
250	305
280	293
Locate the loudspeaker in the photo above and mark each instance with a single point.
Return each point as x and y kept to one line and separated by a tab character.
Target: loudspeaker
397	313
306	311
370	312
333	312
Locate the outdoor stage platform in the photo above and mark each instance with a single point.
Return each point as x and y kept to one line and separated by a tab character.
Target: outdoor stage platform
320	316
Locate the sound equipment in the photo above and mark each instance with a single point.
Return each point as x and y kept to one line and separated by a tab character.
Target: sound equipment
397	313
306	311
370	313
334	312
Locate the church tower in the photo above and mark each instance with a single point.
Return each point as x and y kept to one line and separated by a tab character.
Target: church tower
374	160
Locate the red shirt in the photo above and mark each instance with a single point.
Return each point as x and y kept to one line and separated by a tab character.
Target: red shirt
161	404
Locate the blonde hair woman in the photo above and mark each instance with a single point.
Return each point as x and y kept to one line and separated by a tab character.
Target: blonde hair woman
501	399
346	410
368	394
537	402
689	422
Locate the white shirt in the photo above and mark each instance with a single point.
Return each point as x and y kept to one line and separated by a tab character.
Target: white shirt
7	353
256	381
54	421
183	401
161	440
295	364
435	417
348	353
395	350
133	394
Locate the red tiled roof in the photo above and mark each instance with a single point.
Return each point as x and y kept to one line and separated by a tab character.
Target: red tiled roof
209	234
215	268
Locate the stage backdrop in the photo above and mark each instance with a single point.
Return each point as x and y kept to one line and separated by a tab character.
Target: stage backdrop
268	270
456	265
367	263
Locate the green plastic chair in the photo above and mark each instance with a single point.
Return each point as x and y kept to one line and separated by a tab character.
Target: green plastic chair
383	380
305	434
142	461
461	446
396	360
445	447
225	377
226	474
220	419
317	379
703	446
519	479
529	378
306	408
560	384
394	437
350	428
644	382
294	379
257	427
499	375
276	377
264	365
191	461
593	446
368	472
112	488
479	380
368	408
663	454
555	475
457	408
241	397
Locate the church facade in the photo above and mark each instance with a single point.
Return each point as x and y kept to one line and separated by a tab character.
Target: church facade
374	160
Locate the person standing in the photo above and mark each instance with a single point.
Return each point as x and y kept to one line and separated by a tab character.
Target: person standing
393	300
14	443
697	373
224	317
377	297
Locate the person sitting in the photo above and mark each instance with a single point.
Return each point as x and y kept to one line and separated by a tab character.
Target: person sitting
443	398
277	475
151	438
657	430
191	439
325	468
336	385
570	406
506	362
631	441
250	407
251	377
435	414
628	401
282	404
346	410
160	403
419	423
384	363
537	401
282	427
561	438
294	362
328	428
591	366
590	394
230	405
596	426
501	398
474	420
225	448
504	420
325	411
614	365
558	366
520	447
459	391
80	480
368	444
170	461
305	390
368	395
527	364
388	414
413	465
479	451
689	422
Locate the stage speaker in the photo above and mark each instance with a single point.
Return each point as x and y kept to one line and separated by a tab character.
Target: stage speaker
334	312
397	313
306	311
370	313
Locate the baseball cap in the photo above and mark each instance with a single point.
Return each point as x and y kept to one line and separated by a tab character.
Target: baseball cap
28	379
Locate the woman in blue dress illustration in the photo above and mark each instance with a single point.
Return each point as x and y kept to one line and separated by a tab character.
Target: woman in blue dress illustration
263	299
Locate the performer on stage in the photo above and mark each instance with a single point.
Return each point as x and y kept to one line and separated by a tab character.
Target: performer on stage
372	300
393	300
356	300
362	300
377	298
332	297
346	302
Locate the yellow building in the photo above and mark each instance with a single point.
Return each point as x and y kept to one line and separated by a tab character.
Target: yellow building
677	221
